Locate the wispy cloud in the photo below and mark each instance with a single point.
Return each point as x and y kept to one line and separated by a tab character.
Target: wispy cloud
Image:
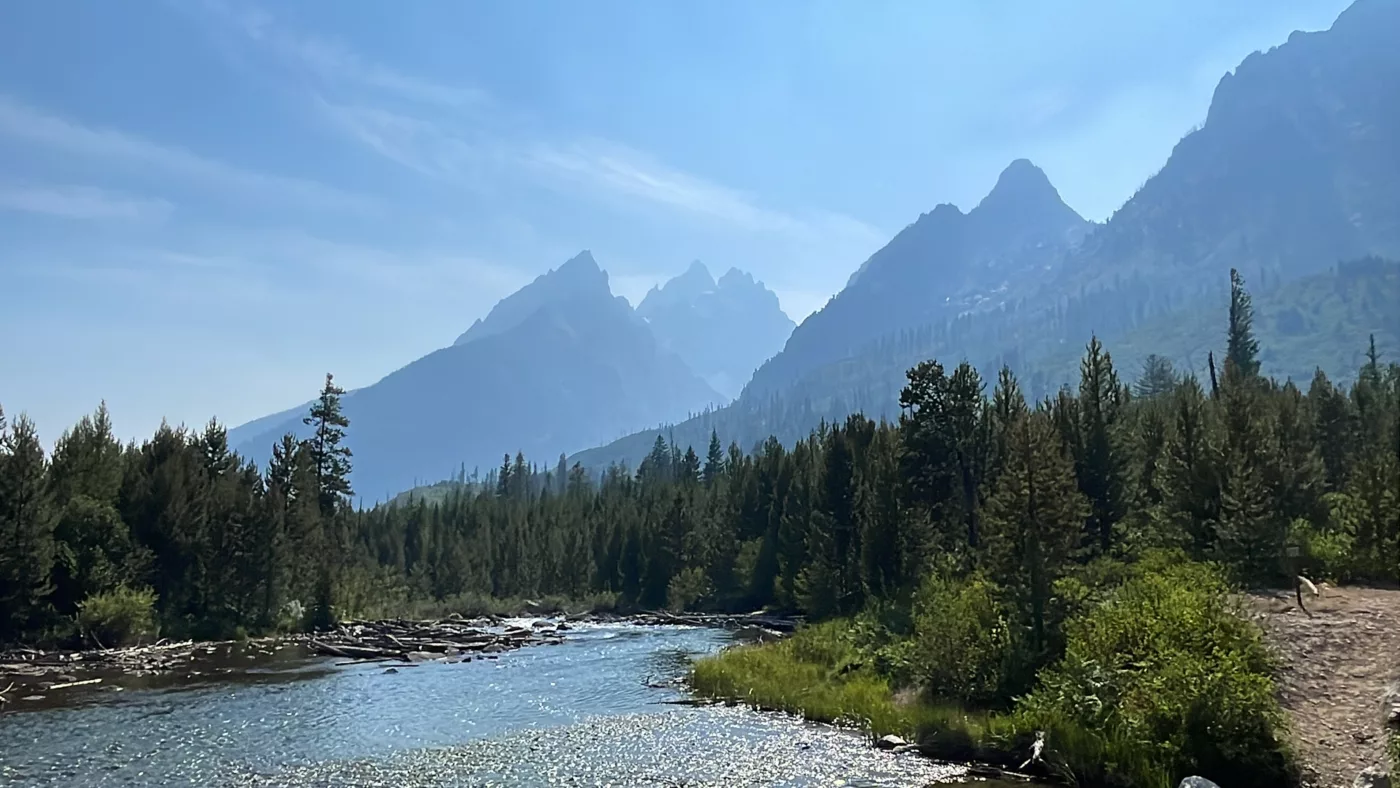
614	168
457	134
80	202
458	153
109	146
608	168
335	62
424	146
283	268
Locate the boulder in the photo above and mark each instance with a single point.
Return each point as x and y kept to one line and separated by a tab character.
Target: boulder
1372	777
891	742
1197	782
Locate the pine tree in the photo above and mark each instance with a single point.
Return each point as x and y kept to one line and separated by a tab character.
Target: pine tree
1158	378
92	538
1252	529
690	466
1371	371
1034	516
1242	352
1099	465
877	505
26	529
1192	469
1335	428
331	463
328	456
503	478
714	460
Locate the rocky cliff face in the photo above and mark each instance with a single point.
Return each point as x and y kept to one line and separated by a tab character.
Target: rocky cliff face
724	330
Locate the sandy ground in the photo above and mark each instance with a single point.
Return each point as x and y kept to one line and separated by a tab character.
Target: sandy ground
1338	660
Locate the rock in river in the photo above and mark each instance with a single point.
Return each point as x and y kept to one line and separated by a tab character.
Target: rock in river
891	742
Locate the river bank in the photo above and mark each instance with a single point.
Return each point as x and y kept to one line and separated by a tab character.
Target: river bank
31	676
603	705
1160	675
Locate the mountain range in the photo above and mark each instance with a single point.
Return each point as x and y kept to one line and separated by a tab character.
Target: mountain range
560	364
1293	178
1295	170
724	330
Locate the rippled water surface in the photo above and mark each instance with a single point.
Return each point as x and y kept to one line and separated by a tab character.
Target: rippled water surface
586	712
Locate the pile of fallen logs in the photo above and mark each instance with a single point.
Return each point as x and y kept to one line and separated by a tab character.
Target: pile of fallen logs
420	641
138	660
777	624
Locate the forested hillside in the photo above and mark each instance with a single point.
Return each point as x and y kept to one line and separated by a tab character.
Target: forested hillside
1318	322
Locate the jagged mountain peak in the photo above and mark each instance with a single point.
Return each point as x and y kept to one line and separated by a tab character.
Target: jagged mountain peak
1023	193
696	269
581	267
696	279
1021	182
679	290
723	330
578	278
736	278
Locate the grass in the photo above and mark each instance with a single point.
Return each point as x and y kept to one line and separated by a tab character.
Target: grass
820	675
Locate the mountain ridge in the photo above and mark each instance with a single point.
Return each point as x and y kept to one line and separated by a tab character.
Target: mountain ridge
1294	170
944	263
561	363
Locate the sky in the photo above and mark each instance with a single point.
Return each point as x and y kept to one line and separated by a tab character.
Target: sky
206	205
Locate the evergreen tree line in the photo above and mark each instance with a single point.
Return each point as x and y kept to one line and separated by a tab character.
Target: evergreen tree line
1236	469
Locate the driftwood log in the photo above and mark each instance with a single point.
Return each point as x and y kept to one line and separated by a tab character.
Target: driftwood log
777	624
415	641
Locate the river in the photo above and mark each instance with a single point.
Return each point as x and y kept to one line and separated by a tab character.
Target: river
592	711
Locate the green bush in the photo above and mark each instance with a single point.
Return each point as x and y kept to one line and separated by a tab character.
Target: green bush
1167	662
118	617
1327	553
686	588
966	648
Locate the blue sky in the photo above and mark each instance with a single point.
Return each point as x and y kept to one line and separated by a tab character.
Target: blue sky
207	204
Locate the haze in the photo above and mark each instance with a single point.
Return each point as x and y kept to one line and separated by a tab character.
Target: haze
206	206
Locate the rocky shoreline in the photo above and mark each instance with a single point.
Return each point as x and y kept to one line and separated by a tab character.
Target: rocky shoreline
30	673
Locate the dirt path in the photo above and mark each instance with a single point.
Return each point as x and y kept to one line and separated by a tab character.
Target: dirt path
1337	665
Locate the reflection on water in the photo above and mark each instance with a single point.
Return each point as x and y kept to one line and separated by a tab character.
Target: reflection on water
587	712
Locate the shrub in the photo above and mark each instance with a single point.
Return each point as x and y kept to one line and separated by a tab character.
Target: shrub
686	588
1167	662
118	617
1327	552
966	646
